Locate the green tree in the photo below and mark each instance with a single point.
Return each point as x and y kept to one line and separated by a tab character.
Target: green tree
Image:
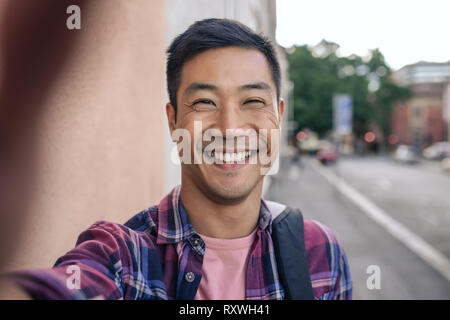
319	72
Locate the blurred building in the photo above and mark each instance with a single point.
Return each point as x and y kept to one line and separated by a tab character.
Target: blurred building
446	108
421	120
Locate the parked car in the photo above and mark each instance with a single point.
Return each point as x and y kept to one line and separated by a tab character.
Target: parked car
437	151
310	144
405	153
327	153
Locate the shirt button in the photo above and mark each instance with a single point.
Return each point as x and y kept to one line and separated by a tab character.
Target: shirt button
196	242
190	276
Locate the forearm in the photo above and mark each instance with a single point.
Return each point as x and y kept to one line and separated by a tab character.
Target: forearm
91	270
10	290
65	98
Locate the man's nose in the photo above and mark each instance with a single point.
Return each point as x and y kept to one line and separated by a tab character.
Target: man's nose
231	118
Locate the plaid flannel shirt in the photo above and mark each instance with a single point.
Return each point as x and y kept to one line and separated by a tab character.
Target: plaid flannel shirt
158	255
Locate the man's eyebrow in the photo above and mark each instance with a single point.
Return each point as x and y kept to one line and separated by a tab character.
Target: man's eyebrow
256	85
206	86
200	86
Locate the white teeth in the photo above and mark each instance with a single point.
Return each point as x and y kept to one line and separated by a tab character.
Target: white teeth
232	157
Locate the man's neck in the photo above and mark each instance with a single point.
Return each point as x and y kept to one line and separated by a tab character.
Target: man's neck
224	221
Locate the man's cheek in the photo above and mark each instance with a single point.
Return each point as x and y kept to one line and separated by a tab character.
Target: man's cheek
269	148
267	117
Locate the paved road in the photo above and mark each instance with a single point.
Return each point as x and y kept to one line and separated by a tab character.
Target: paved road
403	274
418	196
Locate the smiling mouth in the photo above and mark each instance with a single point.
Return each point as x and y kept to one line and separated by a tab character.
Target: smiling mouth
220	157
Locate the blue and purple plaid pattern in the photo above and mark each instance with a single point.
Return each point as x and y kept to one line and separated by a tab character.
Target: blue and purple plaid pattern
158	255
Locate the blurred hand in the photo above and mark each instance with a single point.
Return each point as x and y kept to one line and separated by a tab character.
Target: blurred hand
34	46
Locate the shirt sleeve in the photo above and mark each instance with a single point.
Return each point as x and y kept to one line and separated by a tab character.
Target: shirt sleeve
342	285
92	270
328	265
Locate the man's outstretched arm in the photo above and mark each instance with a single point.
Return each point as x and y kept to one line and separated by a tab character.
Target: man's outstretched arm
74	113
92	270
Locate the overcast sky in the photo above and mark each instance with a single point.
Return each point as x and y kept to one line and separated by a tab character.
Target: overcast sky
406	31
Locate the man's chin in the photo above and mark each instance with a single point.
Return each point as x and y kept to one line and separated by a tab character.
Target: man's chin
231	192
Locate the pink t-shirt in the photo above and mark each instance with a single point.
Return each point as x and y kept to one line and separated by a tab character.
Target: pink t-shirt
224	267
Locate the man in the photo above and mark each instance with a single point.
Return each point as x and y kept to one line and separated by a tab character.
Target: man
209	238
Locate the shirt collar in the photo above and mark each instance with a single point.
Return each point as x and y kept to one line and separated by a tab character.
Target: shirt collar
174	225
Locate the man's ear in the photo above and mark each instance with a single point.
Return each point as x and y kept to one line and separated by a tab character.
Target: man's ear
280	111
171	117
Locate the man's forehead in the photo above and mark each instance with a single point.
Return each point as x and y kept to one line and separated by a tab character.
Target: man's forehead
241	68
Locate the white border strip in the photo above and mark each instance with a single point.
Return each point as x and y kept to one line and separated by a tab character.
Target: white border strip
420	247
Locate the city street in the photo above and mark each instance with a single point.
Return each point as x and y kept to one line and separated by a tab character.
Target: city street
415	196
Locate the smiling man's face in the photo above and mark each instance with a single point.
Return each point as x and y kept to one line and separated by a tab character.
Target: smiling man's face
229	91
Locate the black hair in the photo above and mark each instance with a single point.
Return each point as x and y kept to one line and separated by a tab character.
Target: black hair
211	34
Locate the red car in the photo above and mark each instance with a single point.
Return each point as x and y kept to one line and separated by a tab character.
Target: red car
327	154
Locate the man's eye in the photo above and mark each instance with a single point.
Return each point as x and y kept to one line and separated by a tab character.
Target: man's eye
255	103
203	104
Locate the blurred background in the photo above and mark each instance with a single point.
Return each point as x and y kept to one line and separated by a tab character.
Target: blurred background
368	126
365	137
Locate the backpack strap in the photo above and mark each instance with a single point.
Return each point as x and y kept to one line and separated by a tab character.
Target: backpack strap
275	208
289	246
